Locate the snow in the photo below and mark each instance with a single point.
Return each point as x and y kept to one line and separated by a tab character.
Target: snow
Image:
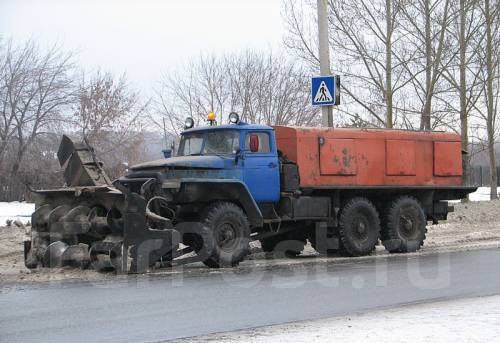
464	320
16	211
482	194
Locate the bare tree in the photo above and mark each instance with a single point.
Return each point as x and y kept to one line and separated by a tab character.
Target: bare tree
426	24
268	89
39	98
7	79
212	78
393	55
45	98
109	116
462	86
36	88
245	72
464	72
263	88
492	60
180	95
369	52
486	126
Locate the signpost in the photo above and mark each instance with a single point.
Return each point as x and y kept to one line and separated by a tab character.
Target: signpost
324	56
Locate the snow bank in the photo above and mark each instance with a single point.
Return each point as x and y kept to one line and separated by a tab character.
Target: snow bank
465	320
482	194
16	211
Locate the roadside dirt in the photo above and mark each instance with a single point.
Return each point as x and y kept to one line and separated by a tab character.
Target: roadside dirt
472	226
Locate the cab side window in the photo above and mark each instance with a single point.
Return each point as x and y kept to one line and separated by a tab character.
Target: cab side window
257	142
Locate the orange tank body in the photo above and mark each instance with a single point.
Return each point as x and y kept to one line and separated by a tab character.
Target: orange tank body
372	157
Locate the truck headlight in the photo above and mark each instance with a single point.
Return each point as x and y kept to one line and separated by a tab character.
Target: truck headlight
189	123
234	118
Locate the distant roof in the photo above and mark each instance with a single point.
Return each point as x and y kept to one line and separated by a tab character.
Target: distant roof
239	126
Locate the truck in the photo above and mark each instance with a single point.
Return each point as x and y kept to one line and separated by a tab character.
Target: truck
345	190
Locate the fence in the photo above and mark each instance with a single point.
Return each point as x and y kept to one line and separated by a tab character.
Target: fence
480	176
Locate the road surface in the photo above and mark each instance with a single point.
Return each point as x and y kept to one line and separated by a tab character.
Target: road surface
153	308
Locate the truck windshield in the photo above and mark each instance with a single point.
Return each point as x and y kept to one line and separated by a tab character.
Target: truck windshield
209	143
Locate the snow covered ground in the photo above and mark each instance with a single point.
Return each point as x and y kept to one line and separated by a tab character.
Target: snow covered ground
482	194
16	211
464	320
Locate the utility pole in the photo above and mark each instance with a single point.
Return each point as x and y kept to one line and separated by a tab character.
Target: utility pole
165	133
324	56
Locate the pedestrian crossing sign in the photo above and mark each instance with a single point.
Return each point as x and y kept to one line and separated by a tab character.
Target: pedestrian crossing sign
325	90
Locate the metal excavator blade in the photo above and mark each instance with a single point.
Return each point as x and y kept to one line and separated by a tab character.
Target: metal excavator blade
92	223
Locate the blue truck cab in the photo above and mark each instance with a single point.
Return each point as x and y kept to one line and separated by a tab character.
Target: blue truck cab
241	151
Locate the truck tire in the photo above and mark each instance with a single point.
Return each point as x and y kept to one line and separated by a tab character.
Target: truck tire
404	226
359	227
289	244
230	230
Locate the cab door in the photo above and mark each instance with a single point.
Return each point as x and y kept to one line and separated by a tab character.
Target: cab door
261	167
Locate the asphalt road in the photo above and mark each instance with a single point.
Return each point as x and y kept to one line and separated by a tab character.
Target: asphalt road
145	309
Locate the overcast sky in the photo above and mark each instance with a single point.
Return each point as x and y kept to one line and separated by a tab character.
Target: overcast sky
144	37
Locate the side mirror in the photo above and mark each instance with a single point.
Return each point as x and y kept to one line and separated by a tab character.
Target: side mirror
254	143
238	155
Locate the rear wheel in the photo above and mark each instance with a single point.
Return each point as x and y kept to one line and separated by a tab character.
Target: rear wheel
230	230
359	227
404	225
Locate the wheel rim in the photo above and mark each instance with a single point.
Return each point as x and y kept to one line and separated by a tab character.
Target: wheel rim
226	237
361	228
409	223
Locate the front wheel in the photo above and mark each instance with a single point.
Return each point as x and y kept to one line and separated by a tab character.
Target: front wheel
230	230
